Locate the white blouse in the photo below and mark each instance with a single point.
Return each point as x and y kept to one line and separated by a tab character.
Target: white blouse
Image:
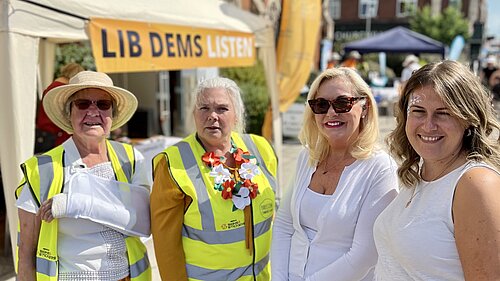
343	248
88	250
418	242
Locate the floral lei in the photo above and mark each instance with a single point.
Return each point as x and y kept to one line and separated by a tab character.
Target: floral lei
234	183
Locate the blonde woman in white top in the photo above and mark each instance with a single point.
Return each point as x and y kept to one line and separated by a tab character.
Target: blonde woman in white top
445	223
323	228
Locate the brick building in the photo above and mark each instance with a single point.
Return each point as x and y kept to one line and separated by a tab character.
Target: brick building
355	18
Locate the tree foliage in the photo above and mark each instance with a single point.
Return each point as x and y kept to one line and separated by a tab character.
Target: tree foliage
252	82
79	52
441	27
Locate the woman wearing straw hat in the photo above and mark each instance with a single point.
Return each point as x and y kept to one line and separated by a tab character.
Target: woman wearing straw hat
78	220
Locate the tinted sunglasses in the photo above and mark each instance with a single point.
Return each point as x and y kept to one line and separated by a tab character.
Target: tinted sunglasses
83	104
340	104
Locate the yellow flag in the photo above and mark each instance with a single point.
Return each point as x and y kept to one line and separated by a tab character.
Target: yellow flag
297	45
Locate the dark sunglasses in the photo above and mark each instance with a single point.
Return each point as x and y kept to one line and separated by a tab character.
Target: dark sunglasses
83	104
340	104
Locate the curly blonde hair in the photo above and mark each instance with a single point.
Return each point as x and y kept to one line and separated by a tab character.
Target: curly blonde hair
466	98
317	143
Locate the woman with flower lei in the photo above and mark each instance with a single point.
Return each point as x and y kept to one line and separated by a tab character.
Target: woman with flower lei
234	183
212	202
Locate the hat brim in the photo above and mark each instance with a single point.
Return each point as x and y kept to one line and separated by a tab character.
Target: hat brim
55	101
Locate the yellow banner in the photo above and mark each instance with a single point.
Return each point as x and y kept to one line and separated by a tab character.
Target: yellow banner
131	46
297	45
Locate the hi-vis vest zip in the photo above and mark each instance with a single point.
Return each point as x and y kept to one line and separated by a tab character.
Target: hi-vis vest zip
44	175
213	234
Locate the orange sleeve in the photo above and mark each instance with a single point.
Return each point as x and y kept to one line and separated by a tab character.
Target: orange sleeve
168	204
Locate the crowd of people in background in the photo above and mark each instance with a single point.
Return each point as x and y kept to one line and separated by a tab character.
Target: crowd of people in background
410	64
490	76
424	208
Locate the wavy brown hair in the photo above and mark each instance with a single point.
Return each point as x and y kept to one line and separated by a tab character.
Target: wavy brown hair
466	98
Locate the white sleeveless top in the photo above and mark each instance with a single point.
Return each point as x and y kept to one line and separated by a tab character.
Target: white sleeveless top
418	242
310	210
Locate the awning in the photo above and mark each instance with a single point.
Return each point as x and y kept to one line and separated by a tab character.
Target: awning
27	34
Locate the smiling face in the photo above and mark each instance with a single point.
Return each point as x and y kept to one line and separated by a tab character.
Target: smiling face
215	117
432	131
341	129
92	121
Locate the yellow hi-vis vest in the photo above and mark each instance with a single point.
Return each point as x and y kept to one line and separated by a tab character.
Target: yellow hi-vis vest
44	175
213	235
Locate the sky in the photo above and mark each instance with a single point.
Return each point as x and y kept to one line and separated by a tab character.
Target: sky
493	21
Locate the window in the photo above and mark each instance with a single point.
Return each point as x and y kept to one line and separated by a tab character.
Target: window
405	8
367	8
335	9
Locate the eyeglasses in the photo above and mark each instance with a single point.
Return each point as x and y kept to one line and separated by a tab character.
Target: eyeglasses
340	104
83	104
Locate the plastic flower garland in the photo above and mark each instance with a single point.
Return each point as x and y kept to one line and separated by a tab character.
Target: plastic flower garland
234	183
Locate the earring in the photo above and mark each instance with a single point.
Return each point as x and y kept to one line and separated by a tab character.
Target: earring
468	132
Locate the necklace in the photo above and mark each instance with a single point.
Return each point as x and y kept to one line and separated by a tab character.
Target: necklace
412	196
325	169
415	192
342	163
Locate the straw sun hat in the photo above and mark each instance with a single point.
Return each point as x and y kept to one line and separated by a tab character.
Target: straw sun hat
55	101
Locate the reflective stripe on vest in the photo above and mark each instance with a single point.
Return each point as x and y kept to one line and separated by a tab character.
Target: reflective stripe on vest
50	165
45	167
208	233
138	259
124	155
200	273
252	147
139	267
46	267
193	170
204	237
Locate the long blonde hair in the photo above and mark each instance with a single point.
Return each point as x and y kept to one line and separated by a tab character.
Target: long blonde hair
317	143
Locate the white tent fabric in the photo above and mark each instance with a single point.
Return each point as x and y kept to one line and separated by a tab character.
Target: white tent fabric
22	55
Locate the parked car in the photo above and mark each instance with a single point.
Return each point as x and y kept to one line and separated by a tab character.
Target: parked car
291	120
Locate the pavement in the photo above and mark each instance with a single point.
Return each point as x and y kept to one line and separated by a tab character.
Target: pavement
291	148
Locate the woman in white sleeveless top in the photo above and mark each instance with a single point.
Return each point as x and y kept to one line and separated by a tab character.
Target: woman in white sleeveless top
445	223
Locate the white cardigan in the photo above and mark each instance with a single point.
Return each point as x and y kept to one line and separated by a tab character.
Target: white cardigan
343	248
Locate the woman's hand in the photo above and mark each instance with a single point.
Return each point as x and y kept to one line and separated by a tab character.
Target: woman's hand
53	208
45	211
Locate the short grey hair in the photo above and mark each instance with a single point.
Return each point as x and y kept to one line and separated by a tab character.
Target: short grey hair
234	94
